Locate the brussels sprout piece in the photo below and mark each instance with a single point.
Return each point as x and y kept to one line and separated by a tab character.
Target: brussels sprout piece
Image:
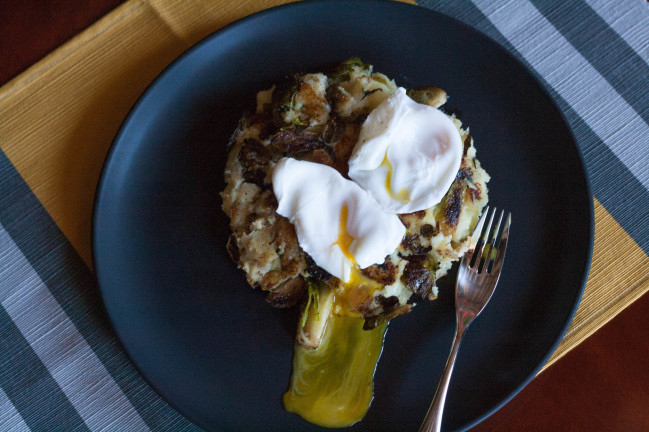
432	96
302	103
315	314
350	70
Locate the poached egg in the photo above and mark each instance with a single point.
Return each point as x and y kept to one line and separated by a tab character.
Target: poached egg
407	154
335	220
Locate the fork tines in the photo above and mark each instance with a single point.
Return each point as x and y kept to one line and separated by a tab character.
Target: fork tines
487	255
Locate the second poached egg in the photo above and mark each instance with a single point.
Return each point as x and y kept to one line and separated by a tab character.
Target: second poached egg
407	154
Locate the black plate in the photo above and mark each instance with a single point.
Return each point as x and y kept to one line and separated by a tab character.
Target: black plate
208	342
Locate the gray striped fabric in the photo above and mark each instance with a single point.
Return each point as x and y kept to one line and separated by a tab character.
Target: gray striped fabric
574	63
10	418
58	344
61	364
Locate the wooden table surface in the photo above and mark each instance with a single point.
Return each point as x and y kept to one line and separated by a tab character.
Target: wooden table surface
602	385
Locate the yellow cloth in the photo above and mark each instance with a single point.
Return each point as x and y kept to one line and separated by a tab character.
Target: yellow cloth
57	121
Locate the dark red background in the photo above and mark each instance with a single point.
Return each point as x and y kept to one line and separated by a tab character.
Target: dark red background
602	385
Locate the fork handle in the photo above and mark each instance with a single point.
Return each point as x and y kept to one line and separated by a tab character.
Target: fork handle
433	420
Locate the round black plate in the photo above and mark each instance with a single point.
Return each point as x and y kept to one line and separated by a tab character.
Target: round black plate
209	344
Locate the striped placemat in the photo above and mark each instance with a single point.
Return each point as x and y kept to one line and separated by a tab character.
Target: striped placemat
61	367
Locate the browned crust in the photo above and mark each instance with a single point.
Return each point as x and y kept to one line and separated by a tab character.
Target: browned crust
314	270
387	308
322	156
476	194
254	158
344	147
291	261
337	96
417	277
288	294
453	206
412	243
428	230
312	101
294	141
467	144
385	274
408	218
465	173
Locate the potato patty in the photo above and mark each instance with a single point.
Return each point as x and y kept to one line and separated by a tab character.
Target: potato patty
317	117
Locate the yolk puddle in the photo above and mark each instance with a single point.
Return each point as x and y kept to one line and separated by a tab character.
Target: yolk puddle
403	195
332	385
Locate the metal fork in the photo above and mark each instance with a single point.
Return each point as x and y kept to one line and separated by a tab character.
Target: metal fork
476	280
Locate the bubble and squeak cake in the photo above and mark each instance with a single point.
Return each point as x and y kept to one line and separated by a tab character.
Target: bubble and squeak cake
349	197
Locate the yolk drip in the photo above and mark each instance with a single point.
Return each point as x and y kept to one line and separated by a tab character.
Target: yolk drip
402	195
354	293
359	288
332	385
344	238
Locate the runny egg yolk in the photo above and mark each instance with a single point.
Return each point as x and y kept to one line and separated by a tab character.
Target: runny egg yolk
345	239
403	195
359	288
332	385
